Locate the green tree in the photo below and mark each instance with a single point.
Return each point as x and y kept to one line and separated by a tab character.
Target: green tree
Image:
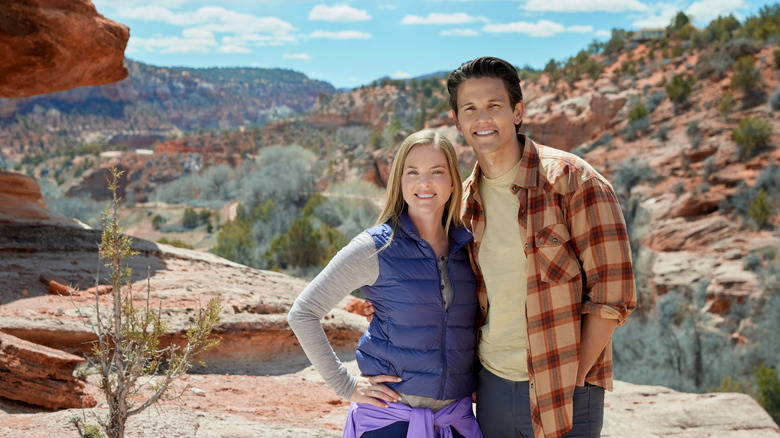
158	221
751	135
129	351
189	218
679	21
234	242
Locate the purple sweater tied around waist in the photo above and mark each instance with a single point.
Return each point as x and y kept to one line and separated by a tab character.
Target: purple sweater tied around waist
423	423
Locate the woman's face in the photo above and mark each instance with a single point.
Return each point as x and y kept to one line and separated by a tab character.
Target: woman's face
426	182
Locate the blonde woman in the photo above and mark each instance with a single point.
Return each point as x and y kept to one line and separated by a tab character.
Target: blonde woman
413	266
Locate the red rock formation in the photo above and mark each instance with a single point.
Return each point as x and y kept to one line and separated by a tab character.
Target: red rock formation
53	45
39	375
21	199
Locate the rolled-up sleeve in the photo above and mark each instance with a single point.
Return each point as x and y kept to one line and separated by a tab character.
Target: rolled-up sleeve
600	238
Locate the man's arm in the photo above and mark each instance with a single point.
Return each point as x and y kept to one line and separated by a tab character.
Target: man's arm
596	333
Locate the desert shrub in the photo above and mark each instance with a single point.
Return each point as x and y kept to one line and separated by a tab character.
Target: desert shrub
693	132
178	243
680	88
128	350
761	209
663	132
728	385
718	32
726	104
752	135
654	99
235	242
83	208
158	221
629	174
740	47
213	183
636	128
713	64
752	262
189	218
637	112
765	26
768	391
745	76
774	100
776	54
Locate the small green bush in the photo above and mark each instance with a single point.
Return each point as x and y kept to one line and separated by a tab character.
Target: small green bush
637	112
726	105
768	388
752	135
745	76
680	88
777	57
761	209
189	218
158	221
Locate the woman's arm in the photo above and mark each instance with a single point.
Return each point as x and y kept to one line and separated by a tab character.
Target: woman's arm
354	266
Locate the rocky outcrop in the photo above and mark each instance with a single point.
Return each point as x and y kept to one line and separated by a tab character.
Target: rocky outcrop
53	45
20	200
40	376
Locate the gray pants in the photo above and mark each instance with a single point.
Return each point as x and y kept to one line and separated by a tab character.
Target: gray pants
504	408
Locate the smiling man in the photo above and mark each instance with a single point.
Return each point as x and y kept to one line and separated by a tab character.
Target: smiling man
553	264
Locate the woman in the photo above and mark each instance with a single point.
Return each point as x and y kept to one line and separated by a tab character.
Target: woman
418	351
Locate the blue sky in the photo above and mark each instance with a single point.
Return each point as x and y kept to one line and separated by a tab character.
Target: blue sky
351	43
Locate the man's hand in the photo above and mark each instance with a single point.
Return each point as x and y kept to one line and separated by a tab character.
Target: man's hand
370	390
368	310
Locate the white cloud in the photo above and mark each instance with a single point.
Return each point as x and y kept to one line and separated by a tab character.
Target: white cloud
300	56
400	75
580	29
603	33
583	6
660	15
441	19
387	7
707	10
459	32
233	49
341	35
215	18
172	44
338	13
542	28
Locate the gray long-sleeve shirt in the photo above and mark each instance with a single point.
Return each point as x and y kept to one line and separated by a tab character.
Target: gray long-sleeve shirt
355	266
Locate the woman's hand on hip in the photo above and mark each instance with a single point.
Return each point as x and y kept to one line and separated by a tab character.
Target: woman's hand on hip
372	391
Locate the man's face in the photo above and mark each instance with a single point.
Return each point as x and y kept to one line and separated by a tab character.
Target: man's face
485	117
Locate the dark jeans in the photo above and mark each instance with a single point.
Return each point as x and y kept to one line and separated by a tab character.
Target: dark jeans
398	430
504	408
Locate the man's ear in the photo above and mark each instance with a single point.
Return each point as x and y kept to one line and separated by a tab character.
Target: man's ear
518	112
454	117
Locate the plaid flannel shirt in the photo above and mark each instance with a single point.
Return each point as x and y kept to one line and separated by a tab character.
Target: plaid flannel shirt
579	261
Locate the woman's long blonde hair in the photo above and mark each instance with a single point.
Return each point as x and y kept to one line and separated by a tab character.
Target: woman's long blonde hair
395	204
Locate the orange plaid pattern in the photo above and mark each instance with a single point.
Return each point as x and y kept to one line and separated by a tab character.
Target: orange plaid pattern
579	261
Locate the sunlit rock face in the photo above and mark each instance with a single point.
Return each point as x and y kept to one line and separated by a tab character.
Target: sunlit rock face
54	45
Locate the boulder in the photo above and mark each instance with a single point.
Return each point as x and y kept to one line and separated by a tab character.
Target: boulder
40	376
54	45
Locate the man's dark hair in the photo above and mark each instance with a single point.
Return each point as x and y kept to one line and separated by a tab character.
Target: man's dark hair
485	67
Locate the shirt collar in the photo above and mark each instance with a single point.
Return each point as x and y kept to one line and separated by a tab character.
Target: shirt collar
527	174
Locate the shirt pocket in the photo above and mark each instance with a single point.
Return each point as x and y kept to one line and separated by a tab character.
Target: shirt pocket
555	258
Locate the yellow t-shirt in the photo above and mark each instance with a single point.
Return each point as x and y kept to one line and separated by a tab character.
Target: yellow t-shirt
502	342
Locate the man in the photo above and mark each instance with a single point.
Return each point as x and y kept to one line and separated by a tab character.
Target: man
553	263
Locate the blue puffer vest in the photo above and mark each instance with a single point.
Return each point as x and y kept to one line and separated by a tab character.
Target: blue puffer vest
411	336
